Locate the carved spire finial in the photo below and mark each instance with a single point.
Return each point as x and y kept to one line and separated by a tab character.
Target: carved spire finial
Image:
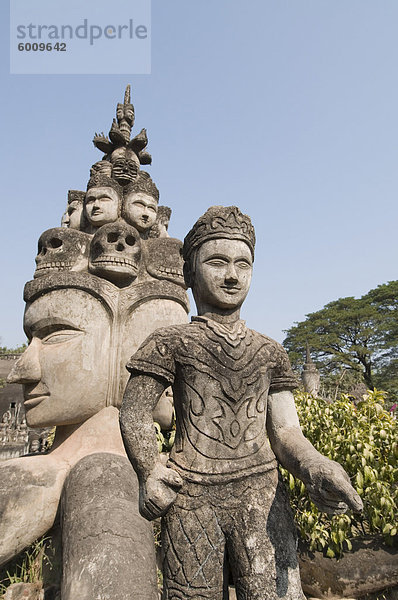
120	133
308	359
127	94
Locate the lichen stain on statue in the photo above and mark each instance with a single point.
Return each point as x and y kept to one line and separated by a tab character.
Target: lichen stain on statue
94	299
224	506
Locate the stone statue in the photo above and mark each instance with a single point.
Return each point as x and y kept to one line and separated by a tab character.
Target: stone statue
62	249
161	226
310	375
220	496
140	203
102	202
92	302
74	215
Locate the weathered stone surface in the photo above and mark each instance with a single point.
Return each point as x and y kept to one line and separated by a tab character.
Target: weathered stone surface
30	487
61	249
163	259
371	567
220	496
108	549
24	591
115	253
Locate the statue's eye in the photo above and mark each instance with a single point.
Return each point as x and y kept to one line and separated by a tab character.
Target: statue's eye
216	262
130	240
55	243
243	264
57	337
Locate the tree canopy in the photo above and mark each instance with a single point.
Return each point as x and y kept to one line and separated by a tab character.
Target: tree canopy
359	335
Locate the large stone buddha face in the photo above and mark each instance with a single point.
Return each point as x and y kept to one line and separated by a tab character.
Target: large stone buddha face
65	369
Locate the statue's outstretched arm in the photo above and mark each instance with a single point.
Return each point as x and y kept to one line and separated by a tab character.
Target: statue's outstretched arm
328	484
158	484
30	490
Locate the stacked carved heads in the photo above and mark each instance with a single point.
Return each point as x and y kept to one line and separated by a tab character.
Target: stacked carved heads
111	229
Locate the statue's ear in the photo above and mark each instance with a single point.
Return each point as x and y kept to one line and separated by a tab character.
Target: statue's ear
188	274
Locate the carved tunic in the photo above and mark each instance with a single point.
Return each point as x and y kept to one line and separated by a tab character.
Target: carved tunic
221	377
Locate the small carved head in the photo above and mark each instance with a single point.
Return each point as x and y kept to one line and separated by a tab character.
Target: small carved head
218	222
75	217
62	249
140	202
115	253
125	165
219	253
103	201
161	226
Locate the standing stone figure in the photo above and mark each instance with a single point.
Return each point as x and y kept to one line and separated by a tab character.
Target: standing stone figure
221	497
310	375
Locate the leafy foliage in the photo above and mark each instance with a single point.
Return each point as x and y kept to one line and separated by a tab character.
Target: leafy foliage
364	440
31	568
165	439
355	334
18	350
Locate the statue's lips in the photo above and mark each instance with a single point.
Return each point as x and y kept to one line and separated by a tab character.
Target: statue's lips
230	290
32	400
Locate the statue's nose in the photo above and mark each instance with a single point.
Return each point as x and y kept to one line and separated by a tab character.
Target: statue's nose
230	275
27	368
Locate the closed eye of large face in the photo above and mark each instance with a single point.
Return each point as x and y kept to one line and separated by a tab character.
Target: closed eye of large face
52	331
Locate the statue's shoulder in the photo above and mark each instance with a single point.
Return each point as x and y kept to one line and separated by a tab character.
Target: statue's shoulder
267	342
265	339
171	333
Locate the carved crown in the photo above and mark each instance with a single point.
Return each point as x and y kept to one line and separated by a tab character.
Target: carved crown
143	184
99	180
220	222
75	196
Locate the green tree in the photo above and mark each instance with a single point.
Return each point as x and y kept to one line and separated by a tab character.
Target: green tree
355	334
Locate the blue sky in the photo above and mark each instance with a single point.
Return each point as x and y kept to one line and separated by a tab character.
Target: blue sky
287	109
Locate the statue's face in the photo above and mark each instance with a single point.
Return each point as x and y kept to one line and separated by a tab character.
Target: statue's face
102	205
62	249
140	210
222	273
65	369
115	253
75	212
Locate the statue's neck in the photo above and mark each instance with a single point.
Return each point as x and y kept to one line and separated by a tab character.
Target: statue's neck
219	315
100	433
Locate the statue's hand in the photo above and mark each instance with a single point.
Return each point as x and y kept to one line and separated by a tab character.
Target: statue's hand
159	491
330	488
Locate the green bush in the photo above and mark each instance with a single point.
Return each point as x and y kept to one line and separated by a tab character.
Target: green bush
364	440
30	570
